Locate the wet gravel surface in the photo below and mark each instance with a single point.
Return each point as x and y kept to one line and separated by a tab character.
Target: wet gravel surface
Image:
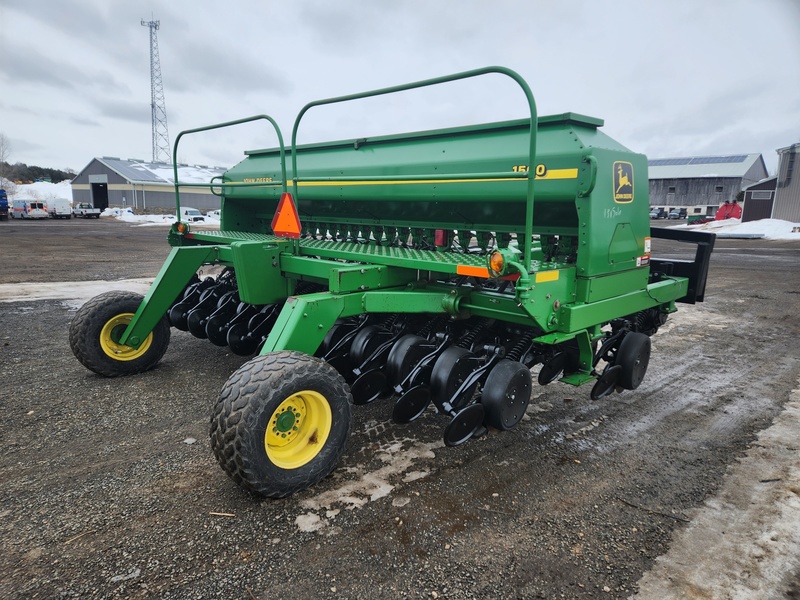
108	487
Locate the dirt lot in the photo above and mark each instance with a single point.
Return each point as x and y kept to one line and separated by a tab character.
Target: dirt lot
109	487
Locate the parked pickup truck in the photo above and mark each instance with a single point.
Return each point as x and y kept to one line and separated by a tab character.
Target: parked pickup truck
85	210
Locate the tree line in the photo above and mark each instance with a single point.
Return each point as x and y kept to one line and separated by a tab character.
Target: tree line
22	173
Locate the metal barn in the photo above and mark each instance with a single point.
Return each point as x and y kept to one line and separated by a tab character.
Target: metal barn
702	182
137	184
787	192
759	199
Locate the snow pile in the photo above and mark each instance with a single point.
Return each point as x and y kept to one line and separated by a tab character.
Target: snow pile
770	229
126	214
41	190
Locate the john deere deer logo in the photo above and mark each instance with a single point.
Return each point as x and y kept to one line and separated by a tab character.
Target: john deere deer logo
623	182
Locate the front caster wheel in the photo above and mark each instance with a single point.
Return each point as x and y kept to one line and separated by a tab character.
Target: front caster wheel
281	423
97	327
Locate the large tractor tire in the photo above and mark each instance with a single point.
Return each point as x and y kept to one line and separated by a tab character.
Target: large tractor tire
96	329
281	423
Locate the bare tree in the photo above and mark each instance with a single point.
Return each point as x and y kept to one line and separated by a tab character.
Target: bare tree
5	152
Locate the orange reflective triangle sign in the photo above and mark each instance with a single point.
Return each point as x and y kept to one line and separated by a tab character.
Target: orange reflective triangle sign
286	222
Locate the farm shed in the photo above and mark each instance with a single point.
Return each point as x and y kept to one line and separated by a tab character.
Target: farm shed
137	184
787	192
703	182
759	199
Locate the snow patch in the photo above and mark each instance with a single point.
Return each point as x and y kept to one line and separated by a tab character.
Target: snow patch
771	229
74	293
399	457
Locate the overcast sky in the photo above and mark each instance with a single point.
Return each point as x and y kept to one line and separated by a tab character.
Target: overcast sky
670	78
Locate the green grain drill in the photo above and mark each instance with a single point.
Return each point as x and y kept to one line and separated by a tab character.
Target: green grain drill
432	269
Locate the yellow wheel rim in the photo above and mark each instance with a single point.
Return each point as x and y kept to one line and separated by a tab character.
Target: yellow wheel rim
298	429
112	331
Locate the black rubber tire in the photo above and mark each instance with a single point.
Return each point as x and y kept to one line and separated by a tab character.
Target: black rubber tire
85	333
217	329
449	372
404	356
633	356
365	342
335	335
246	405
240	341
506	394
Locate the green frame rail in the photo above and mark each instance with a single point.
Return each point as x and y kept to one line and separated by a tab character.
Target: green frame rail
211	184
527	243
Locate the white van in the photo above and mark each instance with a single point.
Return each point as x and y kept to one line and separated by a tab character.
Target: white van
29	209
59	208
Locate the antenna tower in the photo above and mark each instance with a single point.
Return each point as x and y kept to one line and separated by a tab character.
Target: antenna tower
157	105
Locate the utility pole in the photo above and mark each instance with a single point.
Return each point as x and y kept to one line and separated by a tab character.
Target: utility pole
161	148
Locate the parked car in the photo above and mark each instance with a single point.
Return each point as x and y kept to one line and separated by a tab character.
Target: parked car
658	213
191	215
677	213
214	214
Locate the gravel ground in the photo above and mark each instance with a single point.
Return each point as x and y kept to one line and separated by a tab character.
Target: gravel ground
109	487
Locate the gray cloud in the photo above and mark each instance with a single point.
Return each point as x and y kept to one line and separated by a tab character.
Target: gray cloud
138	112
28	65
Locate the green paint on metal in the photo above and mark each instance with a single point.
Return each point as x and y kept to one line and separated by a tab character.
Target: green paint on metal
405	224
531	154
175	274
258	274
603	287
662	293
304	320
210	185
285	421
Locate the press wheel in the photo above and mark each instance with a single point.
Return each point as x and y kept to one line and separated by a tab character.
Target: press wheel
369	386
196	322
607	382
217	329
506	394
633	356
552	369
404	356
364	344
412	404
464	425
240	340
449	372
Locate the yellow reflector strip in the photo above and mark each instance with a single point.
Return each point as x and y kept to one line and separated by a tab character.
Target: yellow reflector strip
544	276
550	174
471	271
559	174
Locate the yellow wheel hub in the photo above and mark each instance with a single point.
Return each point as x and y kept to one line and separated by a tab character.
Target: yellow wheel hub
298	429
112	331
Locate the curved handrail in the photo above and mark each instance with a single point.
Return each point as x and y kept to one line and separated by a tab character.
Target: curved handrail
211	184
526	251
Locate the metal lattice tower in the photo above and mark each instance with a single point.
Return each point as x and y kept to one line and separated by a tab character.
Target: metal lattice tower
161	149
